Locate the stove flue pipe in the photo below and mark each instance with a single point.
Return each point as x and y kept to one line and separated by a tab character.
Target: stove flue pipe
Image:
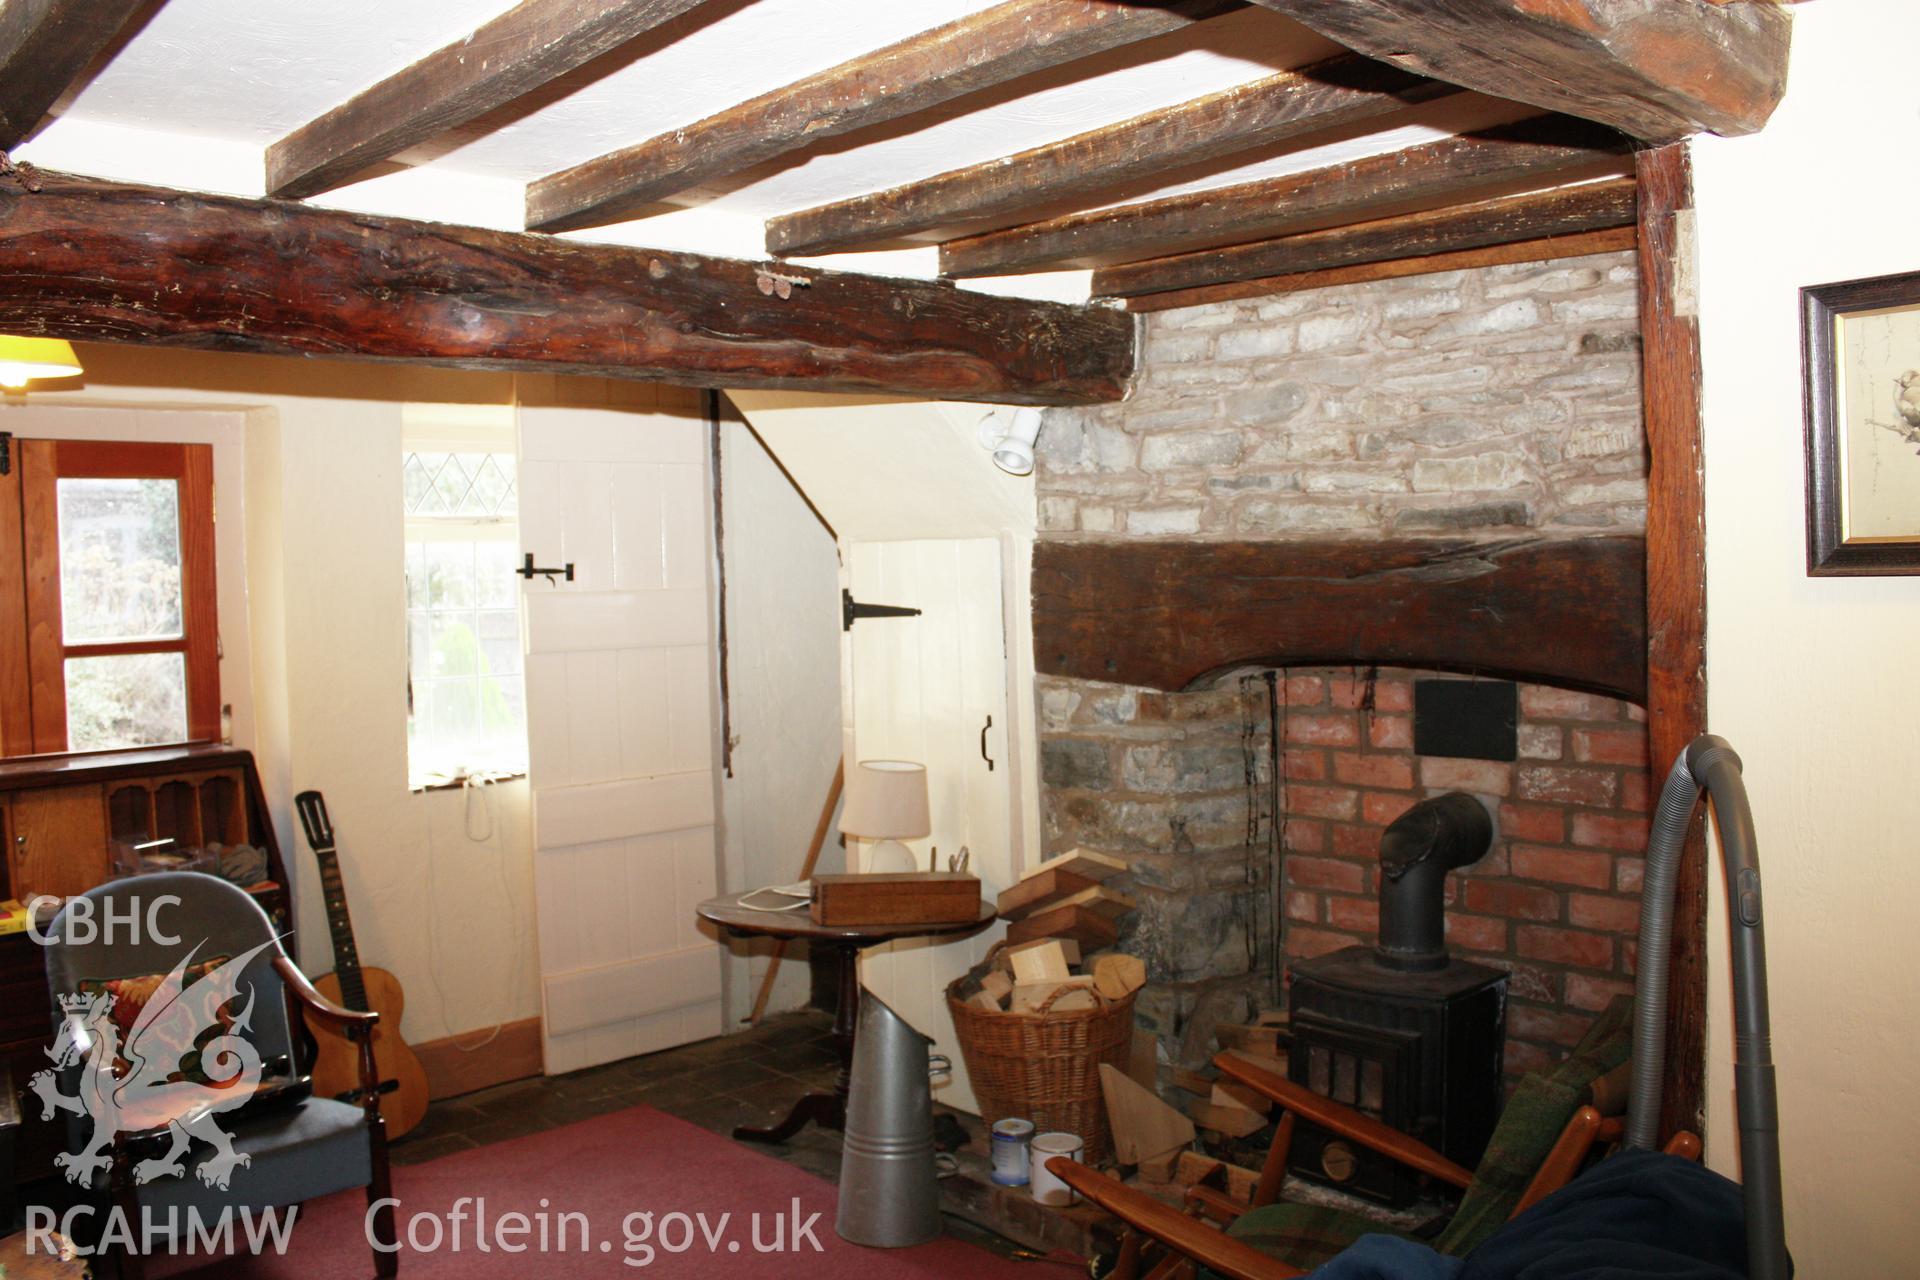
1423	844
1709	763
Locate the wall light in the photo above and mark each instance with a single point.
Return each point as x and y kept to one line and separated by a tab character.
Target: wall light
24	359
1012	440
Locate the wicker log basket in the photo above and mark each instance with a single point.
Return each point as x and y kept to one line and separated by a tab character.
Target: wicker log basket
1043	1066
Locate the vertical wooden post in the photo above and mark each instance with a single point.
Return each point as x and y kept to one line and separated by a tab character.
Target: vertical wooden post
1676	585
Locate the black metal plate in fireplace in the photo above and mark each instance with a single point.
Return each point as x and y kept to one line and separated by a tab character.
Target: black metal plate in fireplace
1471	719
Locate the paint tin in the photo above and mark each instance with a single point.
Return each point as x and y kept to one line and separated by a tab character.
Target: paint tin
1010	1161
1048	1188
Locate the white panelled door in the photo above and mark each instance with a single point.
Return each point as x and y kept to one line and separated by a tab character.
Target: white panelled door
620	730
923	689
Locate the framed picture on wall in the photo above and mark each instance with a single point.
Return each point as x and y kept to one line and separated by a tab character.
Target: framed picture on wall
1860	348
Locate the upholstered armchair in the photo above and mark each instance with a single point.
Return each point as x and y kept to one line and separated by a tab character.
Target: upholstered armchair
182	1102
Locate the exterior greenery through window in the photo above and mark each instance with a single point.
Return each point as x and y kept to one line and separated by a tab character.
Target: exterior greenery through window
466	695
106	561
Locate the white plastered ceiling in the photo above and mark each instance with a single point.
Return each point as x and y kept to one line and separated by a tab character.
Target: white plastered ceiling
194	96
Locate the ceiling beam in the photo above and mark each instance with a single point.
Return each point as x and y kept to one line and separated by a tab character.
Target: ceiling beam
95	261
1551	249
1566	211
1657	70
44	46
1534	152
514	54
1097	166
977	52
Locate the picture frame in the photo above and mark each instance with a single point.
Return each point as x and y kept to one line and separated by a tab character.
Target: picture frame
1860	357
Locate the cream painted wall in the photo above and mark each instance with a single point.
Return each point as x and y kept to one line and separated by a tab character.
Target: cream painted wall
783	663
1808	678
449	915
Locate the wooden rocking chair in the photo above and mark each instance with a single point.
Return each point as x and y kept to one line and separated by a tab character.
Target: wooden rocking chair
1552	1123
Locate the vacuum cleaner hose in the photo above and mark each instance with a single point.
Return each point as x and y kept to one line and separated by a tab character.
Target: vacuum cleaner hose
1709	763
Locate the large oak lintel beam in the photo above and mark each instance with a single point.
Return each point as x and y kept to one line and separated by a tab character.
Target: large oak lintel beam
1101	164
517	52
96	261
1655	69
44	46
1566	611
1567	211
1531	153
977	52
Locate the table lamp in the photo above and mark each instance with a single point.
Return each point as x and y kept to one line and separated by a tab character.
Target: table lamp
887	803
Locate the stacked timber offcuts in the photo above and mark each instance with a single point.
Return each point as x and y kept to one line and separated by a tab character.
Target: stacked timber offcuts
1040	1017
1068	897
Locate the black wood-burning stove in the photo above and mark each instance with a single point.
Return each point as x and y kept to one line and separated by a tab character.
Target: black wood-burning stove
1402	1031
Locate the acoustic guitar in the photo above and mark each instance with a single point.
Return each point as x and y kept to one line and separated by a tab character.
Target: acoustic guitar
336	1067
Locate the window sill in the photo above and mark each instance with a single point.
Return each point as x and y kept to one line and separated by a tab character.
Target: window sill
440	782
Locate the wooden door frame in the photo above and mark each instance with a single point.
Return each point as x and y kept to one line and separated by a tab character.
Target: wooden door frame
1676	583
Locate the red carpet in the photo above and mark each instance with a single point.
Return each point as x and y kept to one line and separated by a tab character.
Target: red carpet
639	1160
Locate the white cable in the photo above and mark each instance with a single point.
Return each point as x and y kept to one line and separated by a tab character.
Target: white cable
483	783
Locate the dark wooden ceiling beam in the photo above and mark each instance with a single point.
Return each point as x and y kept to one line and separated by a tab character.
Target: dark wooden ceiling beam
44	46
1657	70
1164	615
1551	249
977	52
1533	152
95	261
1098	166
1566	211
517	52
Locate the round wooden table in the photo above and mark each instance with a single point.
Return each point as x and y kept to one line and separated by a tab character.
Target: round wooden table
844	943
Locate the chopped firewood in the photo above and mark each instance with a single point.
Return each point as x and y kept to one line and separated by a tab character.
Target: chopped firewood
1193	1081
1143	1126
1029	996
1045	962
1273	1018
1143	1060
1067	921
1232	1122
1068	947
1230	1093
1192	1168
1038	892
998	984
986	1000
1119	975
1159	1169
1084	863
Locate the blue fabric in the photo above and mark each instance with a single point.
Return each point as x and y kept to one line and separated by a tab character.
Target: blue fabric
1638	1216
1377	1257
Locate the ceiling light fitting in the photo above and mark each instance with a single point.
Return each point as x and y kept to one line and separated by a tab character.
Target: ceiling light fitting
1011	439
23	360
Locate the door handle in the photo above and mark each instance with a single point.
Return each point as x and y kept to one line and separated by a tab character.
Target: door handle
983	743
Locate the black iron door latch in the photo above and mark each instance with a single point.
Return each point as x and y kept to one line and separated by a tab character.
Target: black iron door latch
529	571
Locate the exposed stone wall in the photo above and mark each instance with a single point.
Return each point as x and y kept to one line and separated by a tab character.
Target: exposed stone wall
1475	403
1496	399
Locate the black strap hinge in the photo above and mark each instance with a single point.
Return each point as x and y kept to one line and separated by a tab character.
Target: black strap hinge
851	610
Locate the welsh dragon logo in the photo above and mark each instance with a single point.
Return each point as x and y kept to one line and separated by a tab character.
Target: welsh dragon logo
137	1086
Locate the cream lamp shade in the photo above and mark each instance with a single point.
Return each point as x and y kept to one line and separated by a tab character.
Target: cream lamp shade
886	803
24	359
886	800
